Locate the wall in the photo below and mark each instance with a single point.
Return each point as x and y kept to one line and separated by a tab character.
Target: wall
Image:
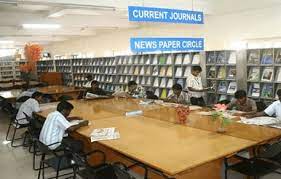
255	28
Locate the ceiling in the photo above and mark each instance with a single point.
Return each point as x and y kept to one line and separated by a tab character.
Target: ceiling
91	17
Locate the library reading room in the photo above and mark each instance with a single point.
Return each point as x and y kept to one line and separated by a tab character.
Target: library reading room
119	89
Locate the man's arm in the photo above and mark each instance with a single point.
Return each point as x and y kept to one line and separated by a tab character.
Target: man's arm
77	126
254	114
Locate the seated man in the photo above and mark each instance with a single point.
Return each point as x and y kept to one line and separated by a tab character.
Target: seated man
56	126
272	110
178	95
95	89
134	91
28	107
89	81
242	103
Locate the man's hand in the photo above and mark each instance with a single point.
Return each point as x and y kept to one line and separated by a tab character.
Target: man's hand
74	118
84	123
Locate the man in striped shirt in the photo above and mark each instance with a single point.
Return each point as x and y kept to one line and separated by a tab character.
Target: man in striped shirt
58	124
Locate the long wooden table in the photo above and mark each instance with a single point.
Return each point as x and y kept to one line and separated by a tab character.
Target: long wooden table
193	150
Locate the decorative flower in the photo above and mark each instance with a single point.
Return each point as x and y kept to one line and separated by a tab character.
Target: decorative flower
182	112
220	107
219	114
32	53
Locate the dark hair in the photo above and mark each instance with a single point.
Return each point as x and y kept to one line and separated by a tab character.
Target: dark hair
196	68
94	82
150	95
177	87
240	94
278	92
64	105
131	83
36	94
89	77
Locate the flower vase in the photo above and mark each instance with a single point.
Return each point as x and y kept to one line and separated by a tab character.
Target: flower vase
221	129
182	114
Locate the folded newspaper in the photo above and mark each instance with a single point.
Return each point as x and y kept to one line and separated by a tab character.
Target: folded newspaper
104	134
268	121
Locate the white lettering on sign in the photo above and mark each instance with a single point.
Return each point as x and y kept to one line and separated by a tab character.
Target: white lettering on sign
145	44
169	44
192	44
150	14
185	17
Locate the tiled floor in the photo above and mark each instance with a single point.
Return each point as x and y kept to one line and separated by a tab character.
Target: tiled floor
16	163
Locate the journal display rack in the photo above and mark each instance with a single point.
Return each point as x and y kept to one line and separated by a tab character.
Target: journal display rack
263	74
9	70
45	66
221	75
155	72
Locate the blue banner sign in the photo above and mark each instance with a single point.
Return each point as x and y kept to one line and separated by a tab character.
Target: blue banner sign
151	14
166	44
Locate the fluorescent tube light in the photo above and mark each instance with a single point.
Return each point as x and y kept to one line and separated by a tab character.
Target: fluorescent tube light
6	42
41	26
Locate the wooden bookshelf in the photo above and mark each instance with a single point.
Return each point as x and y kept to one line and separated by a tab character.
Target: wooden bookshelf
9	70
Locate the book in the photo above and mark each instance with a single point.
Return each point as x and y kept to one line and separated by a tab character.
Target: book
231	74
155	60
130	61
147	61
126	79
121	80
162	71
267	74
157	93
143	81
178	72
232	88
278	75
169	71
254	90
131	71
163	82
211	58
212	83
212	72
222	87
196	59
126	70
221	58
148	70
169	60
221	72
267	57
162	60
155	71
137	70
142	71
163	94
232	58
148	82
187	71
137	79
170	83
187	59
254	74
178	59
278	56
267	91
156	82
254	57
142	60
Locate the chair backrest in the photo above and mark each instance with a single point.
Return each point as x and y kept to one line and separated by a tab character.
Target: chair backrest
23	99
44	149
271	151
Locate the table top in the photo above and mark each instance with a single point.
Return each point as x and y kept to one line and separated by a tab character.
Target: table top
57	89
165	146
10	94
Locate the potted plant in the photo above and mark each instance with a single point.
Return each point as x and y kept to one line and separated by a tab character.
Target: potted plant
219	115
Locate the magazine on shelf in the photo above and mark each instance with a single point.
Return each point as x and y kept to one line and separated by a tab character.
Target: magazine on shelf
155	71
267	91
187	71
196	59
187	59
211	58
148	82
254	74
232	87
169	60
222	87
221	58
170	83
231	73
232	58
278	56
155	60
170	92
212	72
278	75
178	59
254	57
163	82
143	81
212	83
156	82
267	57
148	70
162	60
157	92
178	72
169	71
142	71
255	90
162	71
137	70
181	82
267	75
141	60
163	94
221	72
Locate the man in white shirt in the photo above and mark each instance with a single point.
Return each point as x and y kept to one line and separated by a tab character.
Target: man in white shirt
28	107
272	110
195	87
89	81
56	126
178	95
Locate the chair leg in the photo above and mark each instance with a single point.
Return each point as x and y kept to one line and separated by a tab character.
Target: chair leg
225	173
8	132
58	169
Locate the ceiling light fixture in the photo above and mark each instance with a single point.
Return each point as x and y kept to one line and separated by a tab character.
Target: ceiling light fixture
41	26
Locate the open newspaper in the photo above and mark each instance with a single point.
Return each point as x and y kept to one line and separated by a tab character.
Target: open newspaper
104	134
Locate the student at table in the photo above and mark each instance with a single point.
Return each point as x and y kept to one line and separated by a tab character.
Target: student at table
195	86
28	107
58	124
242	103
178	95
89	81
95	89
134	91
272	110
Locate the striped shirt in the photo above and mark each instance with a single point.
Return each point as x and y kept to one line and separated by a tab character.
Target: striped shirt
54	129
28	107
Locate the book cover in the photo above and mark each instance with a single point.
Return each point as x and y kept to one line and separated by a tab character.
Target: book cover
143	81
187	59
221	58
138	79
212	72
141	60
148	70
178	59
155	60
213	84
211	58
148	82
147	61
157	92
121	79
232	58
163	94
126	79
162	60
254	57
131	71
126	70
278	56
232	87
267	74
278	75
221	72
155	71
130	61
162	71
267	57
169	60
222	87
169	71
170	83
137	70
196	59
142	71
187	71
231	73
255	90
156	82
254	74
163	82
179	72
267	91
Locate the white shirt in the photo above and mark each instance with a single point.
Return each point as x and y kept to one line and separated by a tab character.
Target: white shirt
25	93
88	84
274	109
196	83
28	107
54	129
